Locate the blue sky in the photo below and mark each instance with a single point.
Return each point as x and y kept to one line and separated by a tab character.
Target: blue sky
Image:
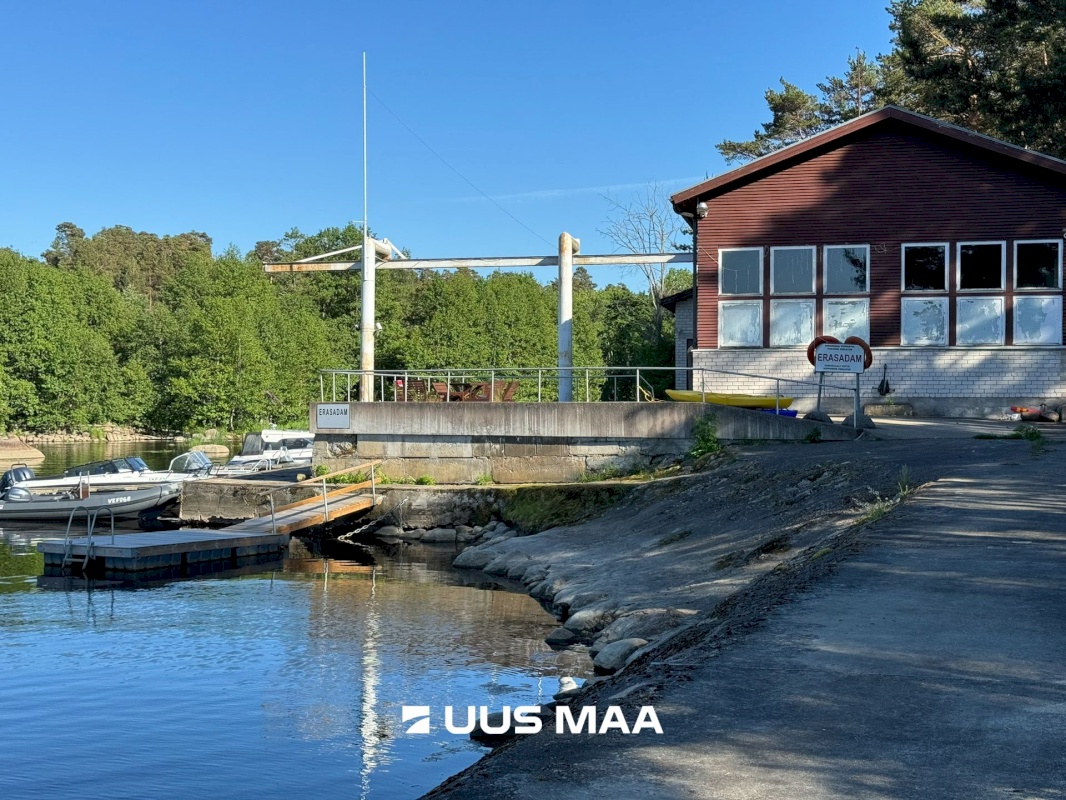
244	119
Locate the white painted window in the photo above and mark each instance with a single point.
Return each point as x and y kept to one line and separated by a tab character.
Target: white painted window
791	323
925	267
1038	320
1038	264
740	271
979	320
792	270
925	321
982	266
844	318
740	323
847	268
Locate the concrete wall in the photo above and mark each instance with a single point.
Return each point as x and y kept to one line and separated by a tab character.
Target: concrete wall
937	381
534	442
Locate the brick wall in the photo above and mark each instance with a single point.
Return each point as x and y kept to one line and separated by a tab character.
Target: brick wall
949	381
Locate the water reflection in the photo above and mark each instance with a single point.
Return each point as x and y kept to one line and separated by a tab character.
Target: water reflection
277	684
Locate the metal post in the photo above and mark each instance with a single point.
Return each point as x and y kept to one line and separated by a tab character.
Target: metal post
821	384
321	388
855	417
325	503
366	328
588	396
492	385
636	389
568	246
334	382
273	522
777	398
540	380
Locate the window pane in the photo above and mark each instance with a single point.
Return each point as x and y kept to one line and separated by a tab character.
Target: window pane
791	322
740	271
845	270
844	318
1038	320
1038	265
925	322
923	267
980	320
740	324
980	266
793	270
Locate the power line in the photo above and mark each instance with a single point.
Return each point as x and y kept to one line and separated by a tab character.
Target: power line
457	172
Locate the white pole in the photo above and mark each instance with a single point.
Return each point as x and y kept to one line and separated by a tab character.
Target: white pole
568	245
366	330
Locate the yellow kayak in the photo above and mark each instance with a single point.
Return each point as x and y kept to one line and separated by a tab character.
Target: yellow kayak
738	400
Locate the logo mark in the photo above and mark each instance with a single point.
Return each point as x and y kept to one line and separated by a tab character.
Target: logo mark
420	715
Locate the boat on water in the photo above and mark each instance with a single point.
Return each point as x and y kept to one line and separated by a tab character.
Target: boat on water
19	503
125	472
270	449
736	400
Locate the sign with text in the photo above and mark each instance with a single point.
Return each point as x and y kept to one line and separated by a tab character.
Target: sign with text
848	358
333	416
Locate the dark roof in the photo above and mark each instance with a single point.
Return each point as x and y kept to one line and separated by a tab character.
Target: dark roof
670	303
837	136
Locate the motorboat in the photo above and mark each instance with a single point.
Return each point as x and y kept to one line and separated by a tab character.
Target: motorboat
270	449
125	472
19	503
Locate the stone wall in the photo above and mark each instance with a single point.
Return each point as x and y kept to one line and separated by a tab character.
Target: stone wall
937	381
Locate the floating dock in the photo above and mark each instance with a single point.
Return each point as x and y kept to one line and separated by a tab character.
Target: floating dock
188	552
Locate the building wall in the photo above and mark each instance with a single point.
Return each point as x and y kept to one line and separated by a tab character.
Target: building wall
886	185
683	332
941	381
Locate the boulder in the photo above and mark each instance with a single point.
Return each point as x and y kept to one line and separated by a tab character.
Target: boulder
474	558
413	535
392	531
439	536
213	450
613	656
865	423
561	637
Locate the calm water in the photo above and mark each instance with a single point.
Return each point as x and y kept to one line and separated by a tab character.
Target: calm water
285	683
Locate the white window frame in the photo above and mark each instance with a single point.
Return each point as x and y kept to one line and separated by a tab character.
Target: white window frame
1037	289
853	298
968	296
903	267
1002	267
1028	296
943	301
762	326
722	250
814	267
825	270
777	302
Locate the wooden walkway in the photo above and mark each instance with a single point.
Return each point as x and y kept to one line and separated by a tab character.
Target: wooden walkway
252	539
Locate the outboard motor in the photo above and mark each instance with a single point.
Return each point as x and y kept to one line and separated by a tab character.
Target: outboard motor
15	475
16	494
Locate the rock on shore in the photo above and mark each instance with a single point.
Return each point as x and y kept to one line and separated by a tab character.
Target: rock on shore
18	450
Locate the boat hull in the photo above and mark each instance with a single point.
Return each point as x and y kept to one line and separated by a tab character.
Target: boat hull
122	503
736	400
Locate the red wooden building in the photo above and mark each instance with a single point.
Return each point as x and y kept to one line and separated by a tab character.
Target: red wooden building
940	246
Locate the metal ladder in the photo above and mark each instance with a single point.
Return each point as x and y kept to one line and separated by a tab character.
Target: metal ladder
90	526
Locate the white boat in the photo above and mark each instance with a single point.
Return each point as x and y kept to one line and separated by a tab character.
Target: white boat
270	449
122	472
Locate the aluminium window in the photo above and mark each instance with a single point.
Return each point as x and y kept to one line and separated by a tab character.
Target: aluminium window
847	268
925	321
791	323
844	318
979	321
792	270
740	323
982	266
1038	264
740	270
925	267
1037	320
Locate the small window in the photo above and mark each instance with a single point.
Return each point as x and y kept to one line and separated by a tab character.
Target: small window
791	323
982	265
740	323
925	322
925	267
1038	264
844	318
1037	320
740	271
792	270
847	269
979	320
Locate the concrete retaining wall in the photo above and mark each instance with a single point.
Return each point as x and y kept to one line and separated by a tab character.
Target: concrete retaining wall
936	381
535	442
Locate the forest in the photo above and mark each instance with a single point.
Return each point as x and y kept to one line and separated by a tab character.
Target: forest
159	333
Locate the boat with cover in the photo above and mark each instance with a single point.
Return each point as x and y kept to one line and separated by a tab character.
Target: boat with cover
126	471
736	400
270	449
18	503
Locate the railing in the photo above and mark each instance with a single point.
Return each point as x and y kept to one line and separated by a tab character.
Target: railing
326	495
90	526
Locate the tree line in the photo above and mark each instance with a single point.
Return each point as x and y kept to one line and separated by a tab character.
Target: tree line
158	332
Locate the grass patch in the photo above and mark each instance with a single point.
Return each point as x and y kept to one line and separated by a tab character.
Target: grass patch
537	508
814	436
876	511
705	436
97	434
903	482
483	480
425	480
1029	433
